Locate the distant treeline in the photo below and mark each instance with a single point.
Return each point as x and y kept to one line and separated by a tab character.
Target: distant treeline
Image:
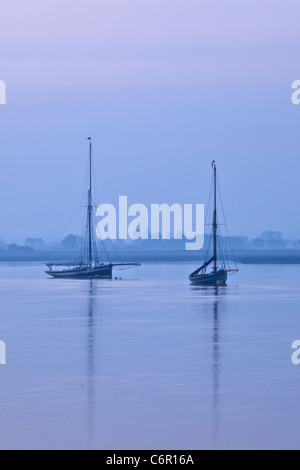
269	240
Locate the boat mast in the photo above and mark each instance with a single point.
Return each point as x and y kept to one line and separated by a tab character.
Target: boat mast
215	224
90	207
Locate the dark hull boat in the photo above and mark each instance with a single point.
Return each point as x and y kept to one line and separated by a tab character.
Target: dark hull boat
219	273
87	265
96	272
218	278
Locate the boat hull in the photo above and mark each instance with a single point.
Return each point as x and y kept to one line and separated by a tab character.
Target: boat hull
213	279
99	272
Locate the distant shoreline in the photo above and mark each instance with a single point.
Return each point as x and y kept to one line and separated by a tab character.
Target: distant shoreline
243	257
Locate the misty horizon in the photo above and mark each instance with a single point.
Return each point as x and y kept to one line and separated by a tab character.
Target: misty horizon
162	95
266	240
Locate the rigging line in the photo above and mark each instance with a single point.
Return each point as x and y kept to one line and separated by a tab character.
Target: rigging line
207	256
223	249
208	209
56	242
108	257
83	249
222	246
82	252
208	249
95	198
95	252
94	238
219	236
83	228
210	238
115	250
231	249
209	201
98	165
85	181
106	182
69	222
80	223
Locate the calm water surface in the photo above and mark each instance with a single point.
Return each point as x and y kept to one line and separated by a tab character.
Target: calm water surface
149	362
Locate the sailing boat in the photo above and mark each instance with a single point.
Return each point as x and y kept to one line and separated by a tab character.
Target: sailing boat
88	267
218	275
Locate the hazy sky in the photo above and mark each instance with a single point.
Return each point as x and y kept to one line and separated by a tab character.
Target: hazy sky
163	87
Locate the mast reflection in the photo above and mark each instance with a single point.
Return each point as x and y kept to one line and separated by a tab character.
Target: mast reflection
212	306
91	364
216	367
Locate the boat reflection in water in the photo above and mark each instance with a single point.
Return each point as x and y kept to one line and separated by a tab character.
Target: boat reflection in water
213	307
91	365
216	365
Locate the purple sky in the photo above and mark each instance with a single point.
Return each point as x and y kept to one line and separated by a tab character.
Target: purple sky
123	43
164	87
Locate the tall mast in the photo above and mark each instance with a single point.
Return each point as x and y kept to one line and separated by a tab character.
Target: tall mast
90	208
215	224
